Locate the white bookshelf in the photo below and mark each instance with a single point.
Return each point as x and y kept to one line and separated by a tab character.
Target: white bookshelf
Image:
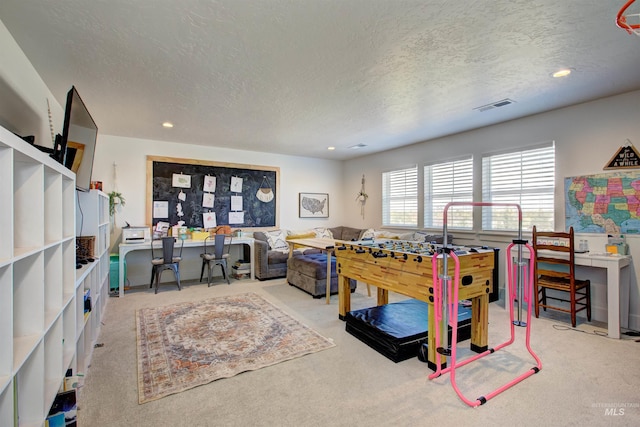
43	328
92	219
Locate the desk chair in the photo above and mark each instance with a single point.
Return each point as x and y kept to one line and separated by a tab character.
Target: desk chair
555	270
220	255
168	261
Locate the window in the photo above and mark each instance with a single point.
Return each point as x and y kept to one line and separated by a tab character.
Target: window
523	177
444	183
400	197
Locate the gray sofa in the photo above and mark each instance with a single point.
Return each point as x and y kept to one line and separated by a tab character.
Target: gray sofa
346	233
270	264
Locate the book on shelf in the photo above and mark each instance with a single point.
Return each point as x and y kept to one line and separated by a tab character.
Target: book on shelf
65	404
73	382
55	420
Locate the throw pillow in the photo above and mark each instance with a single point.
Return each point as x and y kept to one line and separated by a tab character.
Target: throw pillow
420	236
406	236
277	240
368	234
323	233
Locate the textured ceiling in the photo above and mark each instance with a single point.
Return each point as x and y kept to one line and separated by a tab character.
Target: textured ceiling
294	77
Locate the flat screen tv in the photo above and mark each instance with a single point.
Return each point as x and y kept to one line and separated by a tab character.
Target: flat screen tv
78	141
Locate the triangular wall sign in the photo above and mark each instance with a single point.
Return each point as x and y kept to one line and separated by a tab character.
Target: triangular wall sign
626	157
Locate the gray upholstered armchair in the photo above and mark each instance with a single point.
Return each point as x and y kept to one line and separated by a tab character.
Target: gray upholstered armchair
268	263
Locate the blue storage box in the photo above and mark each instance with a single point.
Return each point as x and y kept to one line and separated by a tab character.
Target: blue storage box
114	272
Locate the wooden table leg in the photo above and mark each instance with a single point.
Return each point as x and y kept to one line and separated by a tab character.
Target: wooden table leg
329	276
344	296
480	323
383	296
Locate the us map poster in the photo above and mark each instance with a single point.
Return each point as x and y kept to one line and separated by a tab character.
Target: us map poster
603	203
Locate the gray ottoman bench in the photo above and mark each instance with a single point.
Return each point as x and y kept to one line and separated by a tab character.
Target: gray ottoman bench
308	272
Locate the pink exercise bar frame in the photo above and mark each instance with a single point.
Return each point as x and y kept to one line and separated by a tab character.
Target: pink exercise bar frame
447	290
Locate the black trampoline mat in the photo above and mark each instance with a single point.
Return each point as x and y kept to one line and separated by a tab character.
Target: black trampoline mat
397	330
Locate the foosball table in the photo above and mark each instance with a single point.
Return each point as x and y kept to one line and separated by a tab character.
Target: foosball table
406	268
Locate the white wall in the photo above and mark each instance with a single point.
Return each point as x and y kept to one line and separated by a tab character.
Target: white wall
297	174
24	97
587	136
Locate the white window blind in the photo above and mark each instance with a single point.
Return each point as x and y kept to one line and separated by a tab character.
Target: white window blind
444	183
523	177
400	197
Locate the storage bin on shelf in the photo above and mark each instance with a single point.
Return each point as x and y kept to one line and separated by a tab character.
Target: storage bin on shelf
85	246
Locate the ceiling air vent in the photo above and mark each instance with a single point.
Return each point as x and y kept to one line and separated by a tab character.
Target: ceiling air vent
357	146
493	105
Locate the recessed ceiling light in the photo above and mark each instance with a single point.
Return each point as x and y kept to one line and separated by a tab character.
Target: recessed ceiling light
562	73
357	146
167	125
331	148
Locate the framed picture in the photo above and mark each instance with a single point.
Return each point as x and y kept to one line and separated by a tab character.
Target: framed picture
75	152
314	205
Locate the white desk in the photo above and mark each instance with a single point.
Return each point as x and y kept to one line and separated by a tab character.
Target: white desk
618	279
125	248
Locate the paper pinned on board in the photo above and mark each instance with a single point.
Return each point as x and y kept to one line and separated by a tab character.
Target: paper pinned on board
161	209
236	184
209	184
181	180
209	220
236	203
236	217
208	199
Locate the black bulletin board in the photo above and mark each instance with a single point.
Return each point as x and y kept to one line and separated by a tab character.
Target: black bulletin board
257	213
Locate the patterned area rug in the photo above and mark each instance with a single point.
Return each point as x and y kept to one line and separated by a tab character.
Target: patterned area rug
185	345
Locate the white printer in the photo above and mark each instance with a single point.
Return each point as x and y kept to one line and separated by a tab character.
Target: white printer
136	235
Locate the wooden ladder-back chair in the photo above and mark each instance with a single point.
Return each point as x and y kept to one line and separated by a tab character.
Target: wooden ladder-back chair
168	261
555	269
220	255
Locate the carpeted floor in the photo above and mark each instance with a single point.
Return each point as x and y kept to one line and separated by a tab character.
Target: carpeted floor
181	346
584	378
